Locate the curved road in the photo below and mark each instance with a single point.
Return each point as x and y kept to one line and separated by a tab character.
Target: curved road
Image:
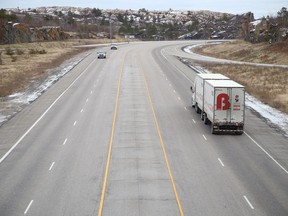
118	137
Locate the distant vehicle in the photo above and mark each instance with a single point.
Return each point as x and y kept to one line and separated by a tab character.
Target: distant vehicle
220	102
113	47
101	55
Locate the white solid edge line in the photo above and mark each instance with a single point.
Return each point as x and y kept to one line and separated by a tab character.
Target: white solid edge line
266	153
176	67
163	54
28	207
36	122
249	203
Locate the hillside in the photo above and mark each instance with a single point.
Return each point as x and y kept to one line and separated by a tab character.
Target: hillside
53	23
31	25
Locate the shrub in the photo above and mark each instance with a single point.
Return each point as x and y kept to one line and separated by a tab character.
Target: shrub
33	51
19	52
42	51
14	58
9	51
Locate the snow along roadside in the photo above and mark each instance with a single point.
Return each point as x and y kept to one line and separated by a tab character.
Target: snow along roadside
14	103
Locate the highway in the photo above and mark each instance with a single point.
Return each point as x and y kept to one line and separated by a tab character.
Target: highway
118	136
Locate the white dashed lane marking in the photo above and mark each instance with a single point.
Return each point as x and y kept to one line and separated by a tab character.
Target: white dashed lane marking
28	207
249	203
204	137
65	141
221	162
51	167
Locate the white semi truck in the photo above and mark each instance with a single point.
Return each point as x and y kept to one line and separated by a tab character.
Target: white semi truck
222	104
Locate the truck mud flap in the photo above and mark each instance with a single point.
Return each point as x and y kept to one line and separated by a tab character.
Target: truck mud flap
226	129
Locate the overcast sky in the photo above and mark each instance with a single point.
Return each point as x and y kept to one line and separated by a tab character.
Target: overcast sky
260	8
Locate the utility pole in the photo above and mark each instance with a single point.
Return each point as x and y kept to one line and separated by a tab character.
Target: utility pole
110	29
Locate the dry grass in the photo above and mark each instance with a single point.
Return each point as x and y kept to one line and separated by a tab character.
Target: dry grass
245	51
14	75
27	64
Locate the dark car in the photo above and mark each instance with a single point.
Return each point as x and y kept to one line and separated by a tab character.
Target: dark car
113	47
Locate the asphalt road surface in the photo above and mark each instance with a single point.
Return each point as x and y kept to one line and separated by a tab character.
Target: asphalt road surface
117	136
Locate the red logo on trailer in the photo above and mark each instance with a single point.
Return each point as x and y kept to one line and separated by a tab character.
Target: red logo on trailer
223	102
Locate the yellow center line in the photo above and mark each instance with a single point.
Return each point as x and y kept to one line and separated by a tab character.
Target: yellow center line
110	144
100	211
161	141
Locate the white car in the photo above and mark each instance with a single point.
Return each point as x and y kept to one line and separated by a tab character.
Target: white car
101	54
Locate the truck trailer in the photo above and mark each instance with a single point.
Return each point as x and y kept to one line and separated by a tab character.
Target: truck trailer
224	106
197	99
221	102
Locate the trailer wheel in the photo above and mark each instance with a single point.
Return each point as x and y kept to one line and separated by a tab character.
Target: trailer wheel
202	115
206	120
192	104
197	108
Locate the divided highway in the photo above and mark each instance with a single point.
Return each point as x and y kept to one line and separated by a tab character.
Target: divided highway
117	136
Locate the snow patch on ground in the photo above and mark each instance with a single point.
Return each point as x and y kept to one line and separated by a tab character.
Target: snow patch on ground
271	115
14	103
